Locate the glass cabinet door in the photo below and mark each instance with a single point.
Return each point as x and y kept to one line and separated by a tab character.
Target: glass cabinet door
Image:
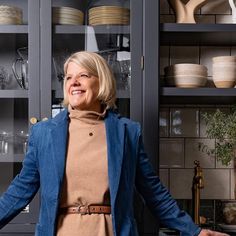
19	94
112	28
100	26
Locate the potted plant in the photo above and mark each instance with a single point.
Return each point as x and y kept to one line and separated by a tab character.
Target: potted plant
221	126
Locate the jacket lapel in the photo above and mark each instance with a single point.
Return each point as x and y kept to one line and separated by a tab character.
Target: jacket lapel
59	135
115	132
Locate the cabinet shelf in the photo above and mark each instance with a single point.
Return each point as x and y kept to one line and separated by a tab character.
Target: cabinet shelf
100	29
172	95
13	29
69	29
197	34
11	157
13	93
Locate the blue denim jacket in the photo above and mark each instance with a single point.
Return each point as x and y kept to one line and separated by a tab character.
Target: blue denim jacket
128	167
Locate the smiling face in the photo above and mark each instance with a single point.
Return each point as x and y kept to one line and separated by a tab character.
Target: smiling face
82	88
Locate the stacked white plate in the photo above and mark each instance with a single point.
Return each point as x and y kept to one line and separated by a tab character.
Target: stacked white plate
224	71
10	15
67	16
109	15
186	75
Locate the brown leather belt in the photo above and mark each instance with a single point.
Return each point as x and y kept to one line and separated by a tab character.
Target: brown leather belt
91	209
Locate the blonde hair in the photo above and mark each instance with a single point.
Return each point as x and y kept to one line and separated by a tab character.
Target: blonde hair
97	66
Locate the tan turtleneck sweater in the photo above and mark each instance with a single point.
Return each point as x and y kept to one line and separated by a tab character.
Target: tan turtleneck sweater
86	176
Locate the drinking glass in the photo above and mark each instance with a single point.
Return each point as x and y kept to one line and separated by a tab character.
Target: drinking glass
4	77
22	139
5	139
125	70
112	61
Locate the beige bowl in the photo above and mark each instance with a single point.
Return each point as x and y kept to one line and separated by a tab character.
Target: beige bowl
224	75
186	69
10	15
186	81
221	59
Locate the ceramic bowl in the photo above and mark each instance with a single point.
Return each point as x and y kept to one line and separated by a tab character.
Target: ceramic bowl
186	69
224	75
186	81
221	59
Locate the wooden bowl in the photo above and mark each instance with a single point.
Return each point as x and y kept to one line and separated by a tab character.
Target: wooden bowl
111	15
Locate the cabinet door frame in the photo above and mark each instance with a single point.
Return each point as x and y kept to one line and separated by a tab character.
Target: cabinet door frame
151	80
136	46
34	58
151	96
45	60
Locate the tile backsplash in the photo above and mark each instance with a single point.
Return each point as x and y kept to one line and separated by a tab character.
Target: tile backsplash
181	132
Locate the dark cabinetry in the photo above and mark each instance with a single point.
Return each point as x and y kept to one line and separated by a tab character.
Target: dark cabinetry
47	46
18	105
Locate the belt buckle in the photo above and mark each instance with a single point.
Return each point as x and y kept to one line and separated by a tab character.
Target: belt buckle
83	210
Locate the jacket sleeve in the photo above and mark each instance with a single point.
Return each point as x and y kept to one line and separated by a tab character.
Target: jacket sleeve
158	199
23	188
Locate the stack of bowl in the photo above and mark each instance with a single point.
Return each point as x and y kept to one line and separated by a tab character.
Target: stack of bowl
10	15
109	15
186	75
67	16
224	71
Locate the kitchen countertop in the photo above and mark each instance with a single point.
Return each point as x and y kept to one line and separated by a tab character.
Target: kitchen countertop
166	231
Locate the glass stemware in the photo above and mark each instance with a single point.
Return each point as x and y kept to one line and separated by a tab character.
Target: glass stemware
58	61
22	140
5	139
4	77
125	70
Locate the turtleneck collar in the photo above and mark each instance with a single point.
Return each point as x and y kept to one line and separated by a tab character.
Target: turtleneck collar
90	117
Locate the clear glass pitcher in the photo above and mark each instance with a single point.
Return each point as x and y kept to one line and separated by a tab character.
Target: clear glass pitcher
20	67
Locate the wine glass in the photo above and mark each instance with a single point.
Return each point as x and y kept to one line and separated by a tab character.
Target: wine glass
4	77
58	61
125	70
115	66
5	139
22	137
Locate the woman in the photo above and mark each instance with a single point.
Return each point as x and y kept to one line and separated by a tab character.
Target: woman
87	161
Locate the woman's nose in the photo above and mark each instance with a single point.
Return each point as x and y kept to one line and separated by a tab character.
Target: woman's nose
75	80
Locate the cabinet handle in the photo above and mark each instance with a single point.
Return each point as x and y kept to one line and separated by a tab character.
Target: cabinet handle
33	120
44	119
142	63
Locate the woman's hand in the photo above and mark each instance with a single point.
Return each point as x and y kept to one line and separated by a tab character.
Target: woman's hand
206	232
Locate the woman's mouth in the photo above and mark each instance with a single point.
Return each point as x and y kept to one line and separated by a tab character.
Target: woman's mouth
77	91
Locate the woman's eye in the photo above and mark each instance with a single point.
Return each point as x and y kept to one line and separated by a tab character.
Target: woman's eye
67	78
84	75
